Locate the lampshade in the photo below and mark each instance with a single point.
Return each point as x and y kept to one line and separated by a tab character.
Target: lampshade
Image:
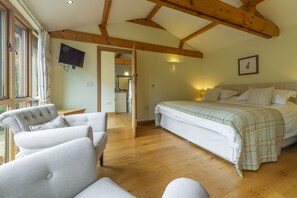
202	91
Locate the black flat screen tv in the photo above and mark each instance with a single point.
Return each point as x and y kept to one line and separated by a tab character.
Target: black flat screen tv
71	56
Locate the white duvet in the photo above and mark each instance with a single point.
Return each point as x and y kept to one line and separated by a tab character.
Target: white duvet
289	112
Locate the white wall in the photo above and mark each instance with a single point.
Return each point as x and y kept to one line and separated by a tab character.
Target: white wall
107	81
179	84
76	88
153	68
277	60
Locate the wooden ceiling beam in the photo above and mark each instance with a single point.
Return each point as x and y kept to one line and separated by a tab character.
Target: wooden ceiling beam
122	61
225	14
250	6
254	3
105	16
153	12
118	42
194	34
145	22
148	21
211	25
117	50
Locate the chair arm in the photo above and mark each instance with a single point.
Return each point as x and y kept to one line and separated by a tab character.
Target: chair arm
51	137
98	120
186	188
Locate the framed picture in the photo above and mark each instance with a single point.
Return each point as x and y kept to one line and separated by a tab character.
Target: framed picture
248	65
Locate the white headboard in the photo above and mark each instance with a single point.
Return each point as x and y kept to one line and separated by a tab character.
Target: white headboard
278	85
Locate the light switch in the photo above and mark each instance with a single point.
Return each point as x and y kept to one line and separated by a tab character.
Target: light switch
90	84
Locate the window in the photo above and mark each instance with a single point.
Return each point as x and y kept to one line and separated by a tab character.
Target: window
2	54
34	66
3	140
20	61
14	86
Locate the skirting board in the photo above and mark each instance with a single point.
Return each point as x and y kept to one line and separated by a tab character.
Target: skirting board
145	122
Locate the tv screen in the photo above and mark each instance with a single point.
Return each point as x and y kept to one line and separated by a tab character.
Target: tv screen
71	56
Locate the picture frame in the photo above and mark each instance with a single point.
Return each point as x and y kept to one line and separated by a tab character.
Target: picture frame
248	65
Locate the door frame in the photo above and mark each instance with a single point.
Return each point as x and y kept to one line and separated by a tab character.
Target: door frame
99	50
122	51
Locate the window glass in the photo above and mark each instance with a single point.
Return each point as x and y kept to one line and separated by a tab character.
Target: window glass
2	54
34	66
20	61
35	103
3	140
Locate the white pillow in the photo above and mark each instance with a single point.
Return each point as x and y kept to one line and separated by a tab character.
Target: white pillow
58	122
243	96
260	96
212	94
225	93
281	96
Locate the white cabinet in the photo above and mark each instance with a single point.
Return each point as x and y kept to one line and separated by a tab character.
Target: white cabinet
121	102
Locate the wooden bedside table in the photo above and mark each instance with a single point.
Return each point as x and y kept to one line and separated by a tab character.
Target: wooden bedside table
66	112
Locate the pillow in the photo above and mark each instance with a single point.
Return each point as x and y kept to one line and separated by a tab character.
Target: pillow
58	122
212	94
260	96
281	96
225	93
243	96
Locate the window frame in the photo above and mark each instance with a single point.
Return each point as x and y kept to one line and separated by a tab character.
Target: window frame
5	53
34	97
10	101
26	58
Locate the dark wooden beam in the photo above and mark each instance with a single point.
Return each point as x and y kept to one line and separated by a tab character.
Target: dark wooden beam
122	61
194	34
153	12
145	22
148	21
105	16
225	14
112	41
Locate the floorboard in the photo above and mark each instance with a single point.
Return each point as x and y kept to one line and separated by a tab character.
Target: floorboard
146	164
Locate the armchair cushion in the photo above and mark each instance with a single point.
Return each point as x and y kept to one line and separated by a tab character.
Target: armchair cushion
51	137
104	187
186	188
98	121
58	122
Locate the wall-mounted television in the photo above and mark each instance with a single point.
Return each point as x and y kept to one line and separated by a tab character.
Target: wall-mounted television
71	56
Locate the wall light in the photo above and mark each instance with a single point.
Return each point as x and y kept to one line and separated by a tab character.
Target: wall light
172	64
70	2
126	73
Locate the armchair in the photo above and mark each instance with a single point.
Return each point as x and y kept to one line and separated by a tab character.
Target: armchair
61	172
91	125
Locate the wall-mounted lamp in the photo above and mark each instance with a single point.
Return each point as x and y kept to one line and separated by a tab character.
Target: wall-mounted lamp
126	73
201	94
172	64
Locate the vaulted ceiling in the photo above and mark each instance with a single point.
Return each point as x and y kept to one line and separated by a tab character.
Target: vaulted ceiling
205	25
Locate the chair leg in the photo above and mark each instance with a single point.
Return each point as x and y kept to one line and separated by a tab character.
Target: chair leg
101	160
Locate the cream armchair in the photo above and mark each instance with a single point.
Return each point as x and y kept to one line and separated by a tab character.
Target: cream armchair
91	125
64	171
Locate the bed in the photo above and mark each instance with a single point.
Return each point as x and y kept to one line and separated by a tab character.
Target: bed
244	150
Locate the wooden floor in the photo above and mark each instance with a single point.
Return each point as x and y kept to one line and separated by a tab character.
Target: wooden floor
146	164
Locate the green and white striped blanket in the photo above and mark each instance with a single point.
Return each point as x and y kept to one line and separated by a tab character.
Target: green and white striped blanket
258	130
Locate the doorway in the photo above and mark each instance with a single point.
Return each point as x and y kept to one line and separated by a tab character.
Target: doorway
123	89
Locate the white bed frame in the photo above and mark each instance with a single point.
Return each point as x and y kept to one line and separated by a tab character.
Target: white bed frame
211	140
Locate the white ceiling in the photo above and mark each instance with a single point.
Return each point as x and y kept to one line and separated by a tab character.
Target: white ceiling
58	15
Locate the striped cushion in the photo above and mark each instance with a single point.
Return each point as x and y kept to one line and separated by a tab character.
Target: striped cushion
260	96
